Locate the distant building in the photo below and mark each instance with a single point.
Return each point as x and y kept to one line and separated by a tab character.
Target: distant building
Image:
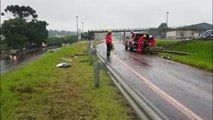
183	34
188	32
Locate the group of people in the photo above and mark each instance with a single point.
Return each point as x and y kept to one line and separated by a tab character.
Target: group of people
144	43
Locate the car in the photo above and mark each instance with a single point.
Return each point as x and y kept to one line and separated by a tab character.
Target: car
207	35
132	43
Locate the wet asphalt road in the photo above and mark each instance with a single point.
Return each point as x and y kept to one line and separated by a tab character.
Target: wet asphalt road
188	86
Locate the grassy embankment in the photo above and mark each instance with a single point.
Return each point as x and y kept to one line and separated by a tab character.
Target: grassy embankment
201	50
41	91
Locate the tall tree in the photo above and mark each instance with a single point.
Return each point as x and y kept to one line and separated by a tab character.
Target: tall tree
19	32
24	12
182	33
13	31
162	30
36	32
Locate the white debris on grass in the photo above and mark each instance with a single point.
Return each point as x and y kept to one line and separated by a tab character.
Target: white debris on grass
63	65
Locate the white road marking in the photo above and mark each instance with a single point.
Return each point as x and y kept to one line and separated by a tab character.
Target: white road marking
190	114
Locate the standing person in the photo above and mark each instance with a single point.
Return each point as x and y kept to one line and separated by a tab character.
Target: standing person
140	43
109	42
126	43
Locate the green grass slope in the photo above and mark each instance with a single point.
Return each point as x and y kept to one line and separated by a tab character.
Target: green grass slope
40	91
201	52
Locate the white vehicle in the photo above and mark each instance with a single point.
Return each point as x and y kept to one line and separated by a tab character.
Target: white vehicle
208	34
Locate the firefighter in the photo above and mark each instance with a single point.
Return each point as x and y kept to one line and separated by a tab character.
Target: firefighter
140	43
151	41
145	44
109	42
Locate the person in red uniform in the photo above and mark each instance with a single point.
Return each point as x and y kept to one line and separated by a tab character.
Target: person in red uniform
151	41
140	43
109	42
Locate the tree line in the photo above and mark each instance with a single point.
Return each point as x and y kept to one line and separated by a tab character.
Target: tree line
53	33
58	41
22	29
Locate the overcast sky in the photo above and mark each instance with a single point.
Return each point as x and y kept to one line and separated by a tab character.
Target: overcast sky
105	14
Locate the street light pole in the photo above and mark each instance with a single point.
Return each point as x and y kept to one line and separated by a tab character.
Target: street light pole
77	25
167	14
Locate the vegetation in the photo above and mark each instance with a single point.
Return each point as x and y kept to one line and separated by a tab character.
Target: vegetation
161	30
36	33
39	90
165	43
22	29
14	32
58	41
201	50
54	33
22	12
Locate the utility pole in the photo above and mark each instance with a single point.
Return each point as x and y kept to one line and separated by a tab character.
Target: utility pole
167	14
77	26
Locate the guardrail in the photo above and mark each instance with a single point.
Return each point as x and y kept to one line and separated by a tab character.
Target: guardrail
144	109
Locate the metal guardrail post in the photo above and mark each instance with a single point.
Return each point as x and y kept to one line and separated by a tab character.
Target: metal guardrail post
97	67
90	53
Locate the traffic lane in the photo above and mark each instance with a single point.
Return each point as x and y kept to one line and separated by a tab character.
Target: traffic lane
194	91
